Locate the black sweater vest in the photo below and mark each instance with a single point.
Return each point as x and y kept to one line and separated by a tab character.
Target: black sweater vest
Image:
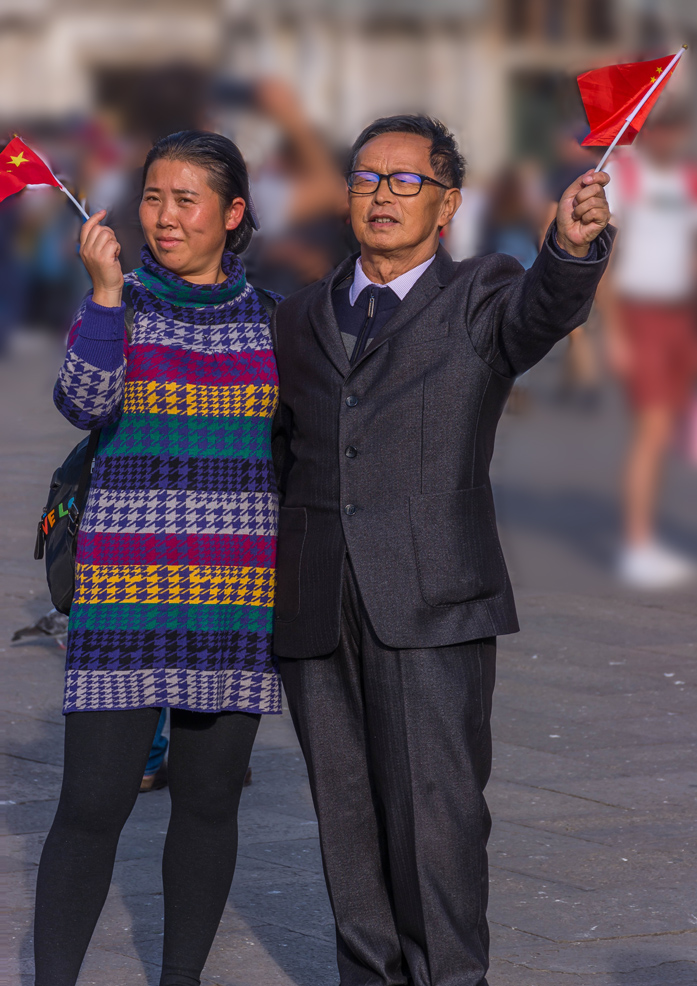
359	324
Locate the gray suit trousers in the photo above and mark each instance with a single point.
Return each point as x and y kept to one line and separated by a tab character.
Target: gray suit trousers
398	750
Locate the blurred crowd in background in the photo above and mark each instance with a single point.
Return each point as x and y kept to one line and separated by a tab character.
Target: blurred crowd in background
92	86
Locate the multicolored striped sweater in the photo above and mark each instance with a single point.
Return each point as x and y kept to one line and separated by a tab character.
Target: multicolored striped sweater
176	550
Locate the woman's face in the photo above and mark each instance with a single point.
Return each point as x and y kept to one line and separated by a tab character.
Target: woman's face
183	219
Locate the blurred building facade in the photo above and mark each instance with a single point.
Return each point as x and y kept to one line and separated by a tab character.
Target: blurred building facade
499	72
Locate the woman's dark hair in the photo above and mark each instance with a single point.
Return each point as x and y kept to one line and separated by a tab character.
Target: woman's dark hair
447	162
225	167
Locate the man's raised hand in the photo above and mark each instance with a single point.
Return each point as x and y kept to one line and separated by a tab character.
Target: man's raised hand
583	212
100	251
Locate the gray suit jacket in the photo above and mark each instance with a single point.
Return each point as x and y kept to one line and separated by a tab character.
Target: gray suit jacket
388	460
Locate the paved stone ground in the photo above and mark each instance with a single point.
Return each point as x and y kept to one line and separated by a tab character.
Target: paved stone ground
594	782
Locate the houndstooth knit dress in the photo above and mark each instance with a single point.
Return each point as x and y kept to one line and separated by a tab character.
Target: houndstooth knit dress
176	550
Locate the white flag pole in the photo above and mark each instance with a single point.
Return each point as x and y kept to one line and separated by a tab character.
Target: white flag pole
72	198
659	81
60	184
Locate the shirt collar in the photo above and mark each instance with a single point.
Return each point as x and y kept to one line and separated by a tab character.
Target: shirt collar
401	285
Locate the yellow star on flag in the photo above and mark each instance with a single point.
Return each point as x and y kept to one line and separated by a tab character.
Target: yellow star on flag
659	69
20	159
652	79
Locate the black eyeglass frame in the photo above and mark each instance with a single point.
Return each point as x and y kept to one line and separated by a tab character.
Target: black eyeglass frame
404	195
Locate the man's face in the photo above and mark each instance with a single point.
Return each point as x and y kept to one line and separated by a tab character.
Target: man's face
387	223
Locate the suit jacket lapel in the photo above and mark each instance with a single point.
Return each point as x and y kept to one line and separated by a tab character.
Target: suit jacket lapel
323	319
433	279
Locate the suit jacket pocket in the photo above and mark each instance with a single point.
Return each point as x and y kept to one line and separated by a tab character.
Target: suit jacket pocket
457	547
292	529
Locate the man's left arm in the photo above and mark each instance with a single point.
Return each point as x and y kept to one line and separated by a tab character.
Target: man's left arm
519	316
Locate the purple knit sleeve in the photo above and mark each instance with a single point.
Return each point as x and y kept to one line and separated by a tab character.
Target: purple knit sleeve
100	336
89	389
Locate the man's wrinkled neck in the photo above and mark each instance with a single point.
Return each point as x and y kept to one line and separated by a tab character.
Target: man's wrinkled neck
381	267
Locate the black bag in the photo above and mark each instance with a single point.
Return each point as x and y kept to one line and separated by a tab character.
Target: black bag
56	533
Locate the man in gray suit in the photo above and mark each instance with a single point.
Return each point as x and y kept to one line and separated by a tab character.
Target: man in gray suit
391	584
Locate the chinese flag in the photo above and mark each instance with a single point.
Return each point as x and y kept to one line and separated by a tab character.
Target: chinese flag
610	94
20	166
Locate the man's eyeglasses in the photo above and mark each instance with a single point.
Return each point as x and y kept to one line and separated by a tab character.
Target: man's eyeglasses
399	183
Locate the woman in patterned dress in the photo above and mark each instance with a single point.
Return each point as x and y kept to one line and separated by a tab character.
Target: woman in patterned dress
176	553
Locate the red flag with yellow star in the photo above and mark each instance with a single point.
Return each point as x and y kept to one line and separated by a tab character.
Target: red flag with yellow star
20	166
610	94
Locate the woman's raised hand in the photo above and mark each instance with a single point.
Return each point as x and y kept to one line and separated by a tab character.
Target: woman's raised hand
100	251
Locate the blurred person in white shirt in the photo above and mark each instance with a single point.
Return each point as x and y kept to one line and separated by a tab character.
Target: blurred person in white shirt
649	303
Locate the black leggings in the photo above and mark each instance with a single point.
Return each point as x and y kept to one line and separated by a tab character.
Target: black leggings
105	757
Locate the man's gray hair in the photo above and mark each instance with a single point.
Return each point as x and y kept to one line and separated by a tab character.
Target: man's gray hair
447	162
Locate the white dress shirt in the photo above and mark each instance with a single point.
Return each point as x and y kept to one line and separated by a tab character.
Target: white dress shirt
401	285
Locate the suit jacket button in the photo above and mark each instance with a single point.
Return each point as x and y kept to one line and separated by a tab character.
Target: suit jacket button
351	452
351	401
350	509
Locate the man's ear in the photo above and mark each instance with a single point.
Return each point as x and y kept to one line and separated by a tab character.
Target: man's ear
452	200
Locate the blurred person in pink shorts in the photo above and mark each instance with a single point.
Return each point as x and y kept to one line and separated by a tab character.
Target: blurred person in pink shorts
650	313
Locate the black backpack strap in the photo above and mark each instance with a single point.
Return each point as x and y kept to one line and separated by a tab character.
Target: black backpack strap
267	301
85	474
